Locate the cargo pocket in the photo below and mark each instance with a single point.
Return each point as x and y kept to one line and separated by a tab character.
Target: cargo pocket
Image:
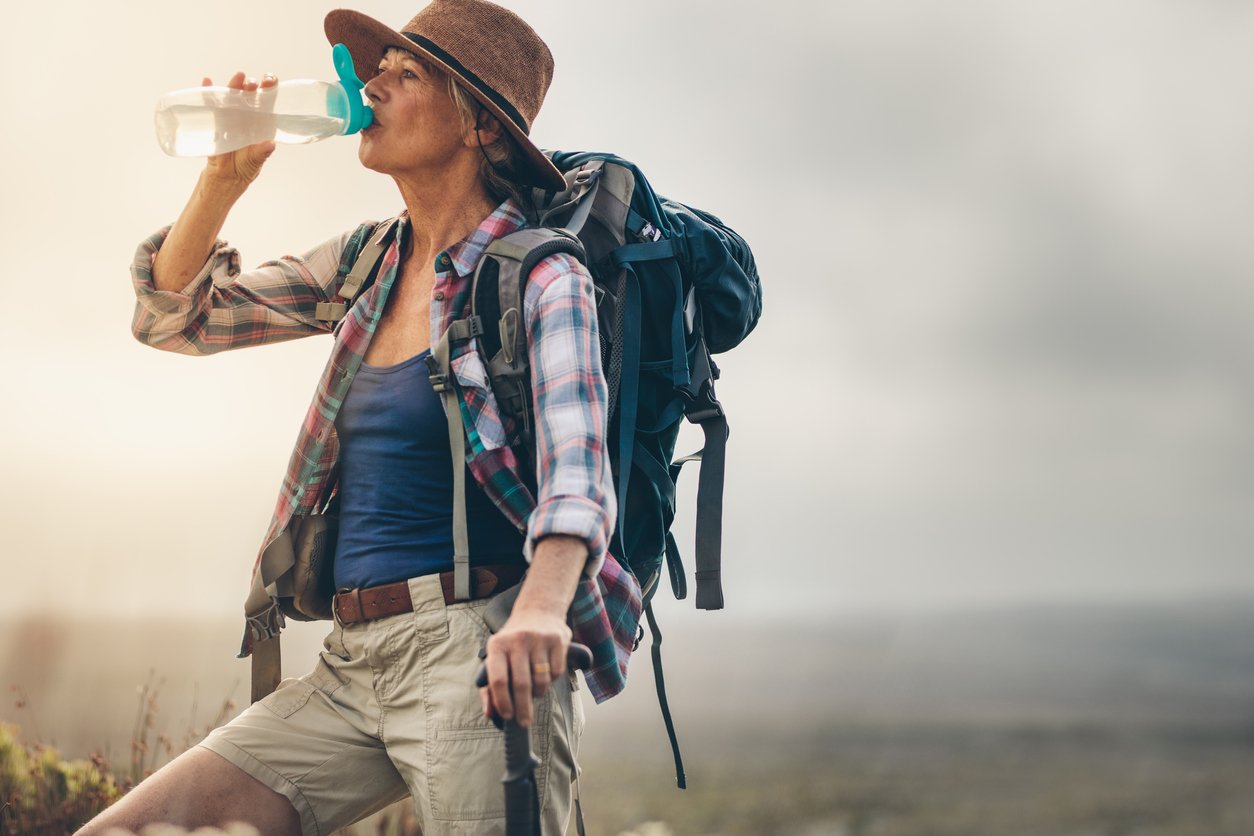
465	766
292	694
289	697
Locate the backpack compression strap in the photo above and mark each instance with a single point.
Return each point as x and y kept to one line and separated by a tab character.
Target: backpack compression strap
703	409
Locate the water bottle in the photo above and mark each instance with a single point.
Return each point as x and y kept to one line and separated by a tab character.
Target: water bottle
205	121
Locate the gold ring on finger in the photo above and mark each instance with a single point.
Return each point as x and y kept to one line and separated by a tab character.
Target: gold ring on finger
540	667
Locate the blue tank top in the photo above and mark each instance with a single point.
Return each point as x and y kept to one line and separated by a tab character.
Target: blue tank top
396	484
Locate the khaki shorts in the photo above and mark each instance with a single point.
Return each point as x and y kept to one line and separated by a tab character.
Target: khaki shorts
391	710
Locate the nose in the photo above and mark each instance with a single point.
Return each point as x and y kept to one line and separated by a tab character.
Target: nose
374	87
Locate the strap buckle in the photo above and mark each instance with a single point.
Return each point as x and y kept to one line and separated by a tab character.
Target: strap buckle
261	627
702	406
440	381
587	175
464	329
330	311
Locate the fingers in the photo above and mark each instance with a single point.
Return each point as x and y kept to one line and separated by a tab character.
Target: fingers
520	672
489	707
240	81
497	664
542	673
557	661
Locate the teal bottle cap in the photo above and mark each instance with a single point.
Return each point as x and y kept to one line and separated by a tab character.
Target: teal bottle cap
359	116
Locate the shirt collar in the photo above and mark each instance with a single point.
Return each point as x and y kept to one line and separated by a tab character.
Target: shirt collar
464	256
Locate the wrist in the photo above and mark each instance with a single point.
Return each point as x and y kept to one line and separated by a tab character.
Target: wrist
218	192
556	567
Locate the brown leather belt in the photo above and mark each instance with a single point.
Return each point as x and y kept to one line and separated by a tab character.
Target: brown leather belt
356	605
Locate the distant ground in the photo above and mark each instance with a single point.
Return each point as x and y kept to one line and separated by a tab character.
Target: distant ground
1044	720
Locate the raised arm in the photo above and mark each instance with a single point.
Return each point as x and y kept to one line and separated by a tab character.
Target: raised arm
225	179
192	297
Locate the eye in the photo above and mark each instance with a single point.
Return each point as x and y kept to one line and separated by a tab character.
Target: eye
409	74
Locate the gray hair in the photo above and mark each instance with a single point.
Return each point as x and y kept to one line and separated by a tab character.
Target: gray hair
500	156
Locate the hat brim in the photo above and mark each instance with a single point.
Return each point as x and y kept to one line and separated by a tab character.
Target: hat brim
367	39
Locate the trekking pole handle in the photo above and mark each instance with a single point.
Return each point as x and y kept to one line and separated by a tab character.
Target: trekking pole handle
578	658
522	803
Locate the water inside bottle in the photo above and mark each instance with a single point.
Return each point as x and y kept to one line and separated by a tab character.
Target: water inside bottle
200	131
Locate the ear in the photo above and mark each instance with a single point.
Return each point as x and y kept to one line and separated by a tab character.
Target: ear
487	129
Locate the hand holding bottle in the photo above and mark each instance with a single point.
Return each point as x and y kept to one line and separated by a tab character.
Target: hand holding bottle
236	127
211	121
240	167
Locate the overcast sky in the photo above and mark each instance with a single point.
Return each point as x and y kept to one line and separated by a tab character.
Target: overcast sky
1005	353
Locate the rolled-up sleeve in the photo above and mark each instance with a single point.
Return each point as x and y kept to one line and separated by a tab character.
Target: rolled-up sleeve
575	494
224	308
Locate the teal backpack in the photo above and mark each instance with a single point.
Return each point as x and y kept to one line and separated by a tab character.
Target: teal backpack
674	285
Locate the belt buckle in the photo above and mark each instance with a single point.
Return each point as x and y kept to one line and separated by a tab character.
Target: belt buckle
355	596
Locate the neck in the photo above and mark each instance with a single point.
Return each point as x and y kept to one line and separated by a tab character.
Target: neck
444	207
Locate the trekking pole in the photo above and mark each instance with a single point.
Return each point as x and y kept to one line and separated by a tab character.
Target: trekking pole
522	797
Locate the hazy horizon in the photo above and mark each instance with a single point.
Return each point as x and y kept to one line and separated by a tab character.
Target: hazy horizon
1004	355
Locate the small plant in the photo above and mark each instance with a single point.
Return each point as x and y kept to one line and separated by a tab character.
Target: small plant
41	793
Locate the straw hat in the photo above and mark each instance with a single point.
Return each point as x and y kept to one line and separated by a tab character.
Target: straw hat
491	50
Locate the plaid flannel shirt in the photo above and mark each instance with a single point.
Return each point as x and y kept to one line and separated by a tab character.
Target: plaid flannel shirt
223	308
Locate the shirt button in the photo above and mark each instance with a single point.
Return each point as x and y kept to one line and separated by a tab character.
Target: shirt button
443	262
439	296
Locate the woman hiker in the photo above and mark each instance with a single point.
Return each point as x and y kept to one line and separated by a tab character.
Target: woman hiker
390	708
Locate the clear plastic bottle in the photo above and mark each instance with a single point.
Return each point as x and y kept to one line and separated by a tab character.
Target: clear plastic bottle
205	121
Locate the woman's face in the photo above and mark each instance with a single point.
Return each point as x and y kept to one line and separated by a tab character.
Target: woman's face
416	127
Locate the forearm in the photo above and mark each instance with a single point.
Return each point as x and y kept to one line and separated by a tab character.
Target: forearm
557	564
192	238
575	494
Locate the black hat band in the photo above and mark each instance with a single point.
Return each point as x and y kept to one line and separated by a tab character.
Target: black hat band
474	80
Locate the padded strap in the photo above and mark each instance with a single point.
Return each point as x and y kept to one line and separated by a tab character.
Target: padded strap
359	276
586	182
628	395
442	382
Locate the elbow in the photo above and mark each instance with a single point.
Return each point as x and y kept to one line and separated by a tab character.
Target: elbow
144	330
139	328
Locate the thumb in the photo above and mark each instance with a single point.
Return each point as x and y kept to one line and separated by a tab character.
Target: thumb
263	150
255	156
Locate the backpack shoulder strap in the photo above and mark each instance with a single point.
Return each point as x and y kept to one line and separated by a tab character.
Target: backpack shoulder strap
497	293
263	615
361	276
503	270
